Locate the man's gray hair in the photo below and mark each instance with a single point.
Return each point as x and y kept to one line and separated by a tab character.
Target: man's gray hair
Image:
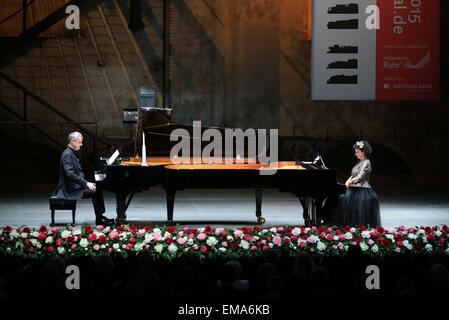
73	135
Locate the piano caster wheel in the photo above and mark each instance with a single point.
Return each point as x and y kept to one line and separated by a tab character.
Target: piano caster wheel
120	221
260	220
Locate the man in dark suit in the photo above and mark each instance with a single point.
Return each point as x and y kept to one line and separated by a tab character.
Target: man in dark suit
72	184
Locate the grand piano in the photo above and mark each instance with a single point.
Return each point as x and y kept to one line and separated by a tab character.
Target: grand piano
312	184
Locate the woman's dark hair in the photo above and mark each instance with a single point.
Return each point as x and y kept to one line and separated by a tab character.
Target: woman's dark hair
363	146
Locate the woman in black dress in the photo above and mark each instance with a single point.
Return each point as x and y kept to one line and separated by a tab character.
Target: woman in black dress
360	205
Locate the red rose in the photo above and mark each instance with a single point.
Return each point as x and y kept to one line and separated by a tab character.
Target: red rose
399	244
288	230
431	236
148	229
247	237
380	230
329	237
26	242
357	239
42	236
120	229
59	242
287	240
102	239
133	229
256	229
51	249
92	237
234	246
43	229
208	229
338	232
169	240
418	245
69	239
203	249
265	248
26	230
363	228
442	241
399	237
171	229
427	229
224	234
7	229
31	249
88	229
294	238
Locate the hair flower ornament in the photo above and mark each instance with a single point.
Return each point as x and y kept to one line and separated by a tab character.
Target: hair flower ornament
360	144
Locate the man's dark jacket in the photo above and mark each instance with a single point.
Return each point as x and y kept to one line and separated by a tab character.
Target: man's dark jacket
71	177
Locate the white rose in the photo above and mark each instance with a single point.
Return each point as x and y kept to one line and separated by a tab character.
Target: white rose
84	242
296	231
352	230
364	246
35	234
370	242
116	246
38	245
270	245
411	236
438	233
340	246
397	250
366	234
190	242
229	238
424	239
348	236
167	234
19	245
306	229
138	246
211	241
389	236
224	249
49	240
244	244
346	248
336	238
156	230
273	230
172	248
321	246
422	231
24	235
148	238
159	247
65	234
428	247
33	242
375	248
61	250
14	234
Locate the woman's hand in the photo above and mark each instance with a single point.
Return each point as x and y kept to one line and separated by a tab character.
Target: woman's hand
348	182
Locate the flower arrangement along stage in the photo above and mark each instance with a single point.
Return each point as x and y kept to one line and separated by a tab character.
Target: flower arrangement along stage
171	242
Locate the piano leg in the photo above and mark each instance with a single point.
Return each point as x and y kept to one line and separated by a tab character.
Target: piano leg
260	219
305	209
121	207
318	206
170	204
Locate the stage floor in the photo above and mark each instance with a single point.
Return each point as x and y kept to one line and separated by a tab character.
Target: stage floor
400	205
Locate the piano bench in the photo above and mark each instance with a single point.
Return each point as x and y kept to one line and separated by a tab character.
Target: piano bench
62	204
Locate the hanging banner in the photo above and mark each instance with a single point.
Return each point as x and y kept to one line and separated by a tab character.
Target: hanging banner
376	50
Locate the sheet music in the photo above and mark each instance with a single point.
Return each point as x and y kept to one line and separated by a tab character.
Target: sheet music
113	157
